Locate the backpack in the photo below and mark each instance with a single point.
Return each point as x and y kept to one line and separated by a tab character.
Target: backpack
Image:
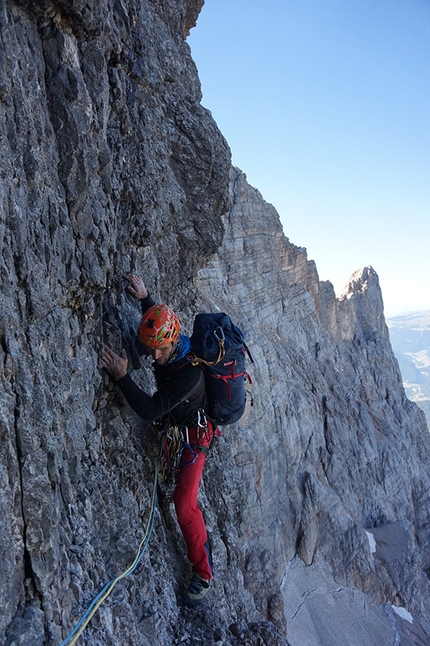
219	349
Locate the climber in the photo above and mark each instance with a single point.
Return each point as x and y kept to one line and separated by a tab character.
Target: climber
178	401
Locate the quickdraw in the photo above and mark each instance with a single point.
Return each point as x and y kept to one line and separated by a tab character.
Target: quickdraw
173	440
171	449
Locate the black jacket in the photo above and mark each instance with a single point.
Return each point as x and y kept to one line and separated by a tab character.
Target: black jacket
180	389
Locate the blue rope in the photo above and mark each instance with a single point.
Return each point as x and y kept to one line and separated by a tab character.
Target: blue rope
104	593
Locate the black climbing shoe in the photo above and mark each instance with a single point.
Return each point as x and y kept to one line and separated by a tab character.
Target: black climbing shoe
196	591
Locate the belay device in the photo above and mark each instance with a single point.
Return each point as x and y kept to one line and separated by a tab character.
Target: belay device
219	348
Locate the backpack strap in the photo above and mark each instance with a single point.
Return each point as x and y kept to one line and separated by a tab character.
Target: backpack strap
180	363
249	353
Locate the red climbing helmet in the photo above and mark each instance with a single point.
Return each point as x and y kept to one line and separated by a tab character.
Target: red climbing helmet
159	326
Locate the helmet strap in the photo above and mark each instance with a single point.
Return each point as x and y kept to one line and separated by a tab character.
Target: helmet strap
171	355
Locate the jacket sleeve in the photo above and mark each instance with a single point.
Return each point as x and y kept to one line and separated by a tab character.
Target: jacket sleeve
146	303
163	400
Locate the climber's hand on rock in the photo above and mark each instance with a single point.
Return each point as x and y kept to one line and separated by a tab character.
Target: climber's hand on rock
115	365
137	286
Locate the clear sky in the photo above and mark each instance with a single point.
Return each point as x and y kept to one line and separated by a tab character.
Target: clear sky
326	107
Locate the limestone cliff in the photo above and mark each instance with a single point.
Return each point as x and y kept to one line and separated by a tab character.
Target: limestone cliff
339	457
317	503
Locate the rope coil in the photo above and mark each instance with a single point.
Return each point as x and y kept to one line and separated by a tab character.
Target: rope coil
221	354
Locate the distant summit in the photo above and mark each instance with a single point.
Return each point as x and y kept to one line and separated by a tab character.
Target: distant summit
410	338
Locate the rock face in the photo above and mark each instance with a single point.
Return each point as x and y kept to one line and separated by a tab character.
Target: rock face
338	513
318	523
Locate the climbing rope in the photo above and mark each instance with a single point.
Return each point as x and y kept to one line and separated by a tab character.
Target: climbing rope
77	631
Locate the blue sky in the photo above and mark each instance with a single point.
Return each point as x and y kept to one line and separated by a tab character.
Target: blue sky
326	107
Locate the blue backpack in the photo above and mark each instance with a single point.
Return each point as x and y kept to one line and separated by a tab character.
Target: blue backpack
219	348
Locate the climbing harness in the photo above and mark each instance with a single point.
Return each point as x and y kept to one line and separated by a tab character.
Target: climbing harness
77	631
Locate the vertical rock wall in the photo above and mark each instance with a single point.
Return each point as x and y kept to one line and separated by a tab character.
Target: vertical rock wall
110	164
338	455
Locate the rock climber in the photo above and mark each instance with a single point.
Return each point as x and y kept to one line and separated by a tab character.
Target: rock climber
179	400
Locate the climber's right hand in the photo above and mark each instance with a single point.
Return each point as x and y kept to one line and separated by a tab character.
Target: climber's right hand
137	286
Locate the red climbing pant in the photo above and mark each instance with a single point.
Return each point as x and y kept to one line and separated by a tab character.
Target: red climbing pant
190	518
